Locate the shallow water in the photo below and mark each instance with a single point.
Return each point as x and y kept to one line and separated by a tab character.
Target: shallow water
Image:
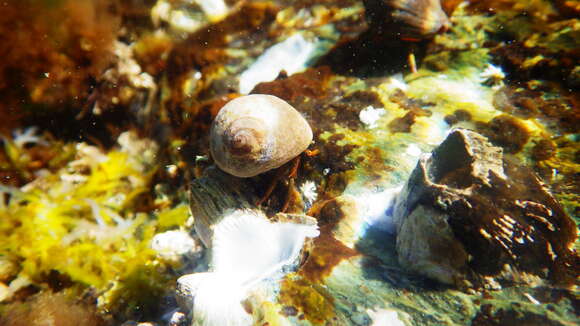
106	111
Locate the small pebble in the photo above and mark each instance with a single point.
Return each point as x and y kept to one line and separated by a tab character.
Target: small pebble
171	245
178	319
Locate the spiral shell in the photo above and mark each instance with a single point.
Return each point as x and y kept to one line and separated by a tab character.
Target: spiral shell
412	19
256	133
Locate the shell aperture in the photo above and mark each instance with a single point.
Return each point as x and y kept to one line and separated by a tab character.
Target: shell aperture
256	133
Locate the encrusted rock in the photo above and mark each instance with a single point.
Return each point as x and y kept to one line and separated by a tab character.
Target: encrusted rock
469	216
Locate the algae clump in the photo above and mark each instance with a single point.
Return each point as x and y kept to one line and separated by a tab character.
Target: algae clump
87	223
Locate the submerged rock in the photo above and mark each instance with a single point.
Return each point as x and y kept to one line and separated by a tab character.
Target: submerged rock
469	216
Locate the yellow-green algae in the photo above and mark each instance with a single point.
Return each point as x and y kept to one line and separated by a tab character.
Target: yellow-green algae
21	161
170	218
309	299
270	314
81	221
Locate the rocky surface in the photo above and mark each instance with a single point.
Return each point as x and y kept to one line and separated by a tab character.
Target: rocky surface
82	211
469	217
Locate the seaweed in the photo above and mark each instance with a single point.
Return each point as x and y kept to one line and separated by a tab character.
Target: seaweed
51	309
84	222
47	65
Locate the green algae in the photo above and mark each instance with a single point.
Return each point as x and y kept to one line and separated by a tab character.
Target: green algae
173	217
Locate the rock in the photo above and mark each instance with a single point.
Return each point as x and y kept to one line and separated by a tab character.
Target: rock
186	290
174	245
5	292
469	216
343	216
512	316
214	196
8	269
178	319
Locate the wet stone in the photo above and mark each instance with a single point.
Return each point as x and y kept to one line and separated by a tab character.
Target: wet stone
511	317
469	217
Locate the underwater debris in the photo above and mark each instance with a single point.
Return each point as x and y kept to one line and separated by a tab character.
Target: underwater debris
492	75
248	251
27	136
25	155
206	52
309	193
256	133
370	115
123	84
385	317
468	217
188	16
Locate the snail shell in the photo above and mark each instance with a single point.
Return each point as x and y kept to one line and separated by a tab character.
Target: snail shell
414	19
256	133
